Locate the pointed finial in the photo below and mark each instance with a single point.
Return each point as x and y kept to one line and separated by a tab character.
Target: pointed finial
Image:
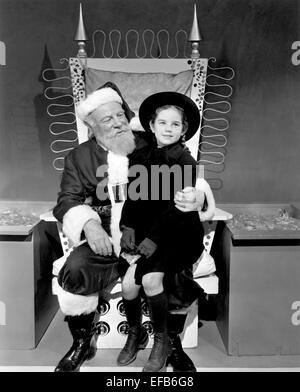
81	34
195	36
81	38
195	33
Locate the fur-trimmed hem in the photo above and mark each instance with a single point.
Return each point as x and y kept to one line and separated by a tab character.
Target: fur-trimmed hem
75	219
203	185
75	304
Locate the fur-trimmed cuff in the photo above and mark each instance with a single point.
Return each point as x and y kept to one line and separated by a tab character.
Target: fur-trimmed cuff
75	304
75	219
203	185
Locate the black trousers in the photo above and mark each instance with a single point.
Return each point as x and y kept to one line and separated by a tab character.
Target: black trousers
85	272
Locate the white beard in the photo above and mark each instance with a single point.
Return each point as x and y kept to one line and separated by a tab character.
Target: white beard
123	144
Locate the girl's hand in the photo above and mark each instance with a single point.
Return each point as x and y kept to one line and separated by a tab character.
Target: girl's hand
147	247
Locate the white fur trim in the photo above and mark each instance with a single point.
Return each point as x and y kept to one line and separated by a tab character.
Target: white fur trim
117	168
203	185
114	226
117	174
95	99
74	220
135	124
75	304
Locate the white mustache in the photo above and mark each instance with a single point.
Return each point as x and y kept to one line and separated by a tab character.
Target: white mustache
122	143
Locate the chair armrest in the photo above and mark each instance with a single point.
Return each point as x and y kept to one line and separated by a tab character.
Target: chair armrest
48	216
221	215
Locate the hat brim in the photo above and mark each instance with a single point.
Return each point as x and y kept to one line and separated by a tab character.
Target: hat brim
153	102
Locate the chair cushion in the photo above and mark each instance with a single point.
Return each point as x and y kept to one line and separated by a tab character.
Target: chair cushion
135	87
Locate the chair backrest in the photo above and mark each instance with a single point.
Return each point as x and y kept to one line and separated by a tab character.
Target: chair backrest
138	78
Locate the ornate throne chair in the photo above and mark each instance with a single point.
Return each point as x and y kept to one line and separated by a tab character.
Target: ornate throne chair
137	78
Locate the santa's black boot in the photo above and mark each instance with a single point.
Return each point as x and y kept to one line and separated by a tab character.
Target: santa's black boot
158	305
178	359
84	343
137	338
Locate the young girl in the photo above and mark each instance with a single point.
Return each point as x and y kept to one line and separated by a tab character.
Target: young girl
167	240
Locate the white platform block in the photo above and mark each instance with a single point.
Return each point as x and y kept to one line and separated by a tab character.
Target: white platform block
112	326
209	283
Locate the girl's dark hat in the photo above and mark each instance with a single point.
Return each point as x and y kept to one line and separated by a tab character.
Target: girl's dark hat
153	102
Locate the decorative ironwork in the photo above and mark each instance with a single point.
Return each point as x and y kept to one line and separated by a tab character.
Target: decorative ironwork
65	134
214	123
135	44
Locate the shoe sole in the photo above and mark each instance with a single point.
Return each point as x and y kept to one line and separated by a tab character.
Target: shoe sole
180	370
141	346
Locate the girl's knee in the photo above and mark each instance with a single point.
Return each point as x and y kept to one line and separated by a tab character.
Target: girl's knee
152	283
128	287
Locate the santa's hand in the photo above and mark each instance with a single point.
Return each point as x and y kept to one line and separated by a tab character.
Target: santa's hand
147	247
189	199
97	238
128	239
